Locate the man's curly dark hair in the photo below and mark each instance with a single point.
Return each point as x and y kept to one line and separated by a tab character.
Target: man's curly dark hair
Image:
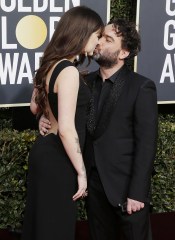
130	36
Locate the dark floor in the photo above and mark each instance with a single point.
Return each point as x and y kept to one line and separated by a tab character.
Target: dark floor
163	228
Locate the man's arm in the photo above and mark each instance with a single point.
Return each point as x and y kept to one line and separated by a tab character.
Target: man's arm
44	125
145	126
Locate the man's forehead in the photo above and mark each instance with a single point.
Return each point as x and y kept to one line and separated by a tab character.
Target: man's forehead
110	29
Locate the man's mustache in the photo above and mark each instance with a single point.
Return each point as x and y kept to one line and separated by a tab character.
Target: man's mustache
96	56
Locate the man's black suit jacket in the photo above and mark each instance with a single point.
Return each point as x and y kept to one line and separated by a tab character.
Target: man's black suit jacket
123	143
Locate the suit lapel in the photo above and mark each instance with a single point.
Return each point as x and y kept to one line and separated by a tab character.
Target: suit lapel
91	118
108	107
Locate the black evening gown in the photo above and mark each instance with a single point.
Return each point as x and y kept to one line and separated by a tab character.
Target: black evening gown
50	212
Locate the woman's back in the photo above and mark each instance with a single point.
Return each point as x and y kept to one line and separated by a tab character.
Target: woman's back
53	81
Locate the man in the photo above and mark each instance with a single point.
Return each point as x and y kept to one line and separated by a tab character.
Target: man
121	139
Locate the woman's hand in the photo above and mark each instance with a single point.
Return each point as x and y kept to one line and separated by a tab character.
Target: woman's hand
82	187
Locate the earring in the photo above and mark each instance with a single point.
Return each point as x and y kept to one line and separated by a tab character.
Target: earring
78	58
85	54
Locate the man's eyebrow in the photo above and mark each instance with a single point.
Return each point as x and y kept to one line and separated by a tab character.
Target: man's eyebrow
107	36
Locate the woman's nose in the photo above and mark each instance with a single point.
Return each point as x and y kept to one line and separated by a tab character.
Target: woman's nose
100	41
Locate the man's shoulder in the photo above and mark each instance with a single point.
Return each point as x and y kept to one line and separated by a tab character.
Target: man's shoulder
140	79
92	74
90	77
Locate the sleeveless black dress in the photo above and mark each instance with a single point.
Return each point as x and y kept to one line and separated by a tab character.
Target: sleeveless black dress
50	212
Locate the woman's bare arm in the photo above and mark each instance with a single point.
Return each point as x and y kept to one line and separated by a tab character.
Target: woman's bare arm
68	85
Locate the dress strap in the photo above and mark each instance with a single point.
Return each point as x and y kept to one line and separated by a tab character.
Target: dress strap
59	67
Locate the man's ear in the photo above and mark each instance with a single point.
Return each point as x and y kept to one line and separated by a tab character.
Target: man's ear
123	54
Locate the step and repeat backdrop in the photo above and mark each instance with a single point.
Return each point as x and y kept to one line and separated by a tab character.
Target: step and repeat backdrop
27	26
25	29
156	21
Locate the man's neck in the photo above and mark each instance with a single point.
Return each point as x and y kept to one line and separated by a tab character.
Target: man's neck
108	72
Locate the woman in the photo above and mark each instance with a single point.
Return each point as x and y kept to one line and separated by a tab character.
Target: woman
56	167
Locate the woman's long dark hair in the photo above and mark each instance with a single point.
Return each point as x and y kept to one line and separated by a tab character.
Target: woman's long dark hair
69	39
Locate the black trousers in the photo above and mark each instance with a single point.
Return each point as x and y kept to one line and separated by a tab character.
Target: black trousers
107	222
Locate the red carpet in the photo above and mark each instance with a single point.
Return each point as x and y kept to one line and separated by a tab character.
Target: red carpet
163	226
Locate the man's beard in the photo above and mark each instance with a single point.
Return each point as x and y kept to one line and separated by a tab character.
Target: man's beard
107	59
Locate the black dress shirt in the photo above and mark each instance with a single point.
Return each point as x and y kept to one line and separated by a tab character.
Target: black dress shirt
102	91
